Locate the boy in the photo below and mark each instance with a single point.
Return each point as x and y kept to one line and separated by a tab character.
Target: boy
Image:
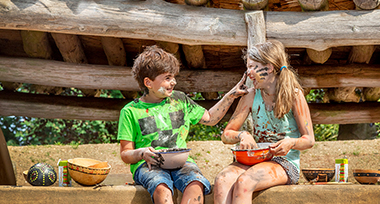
161	119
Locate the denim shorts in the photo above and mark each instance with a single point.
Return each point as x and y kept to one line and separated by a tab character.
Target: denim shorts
180	178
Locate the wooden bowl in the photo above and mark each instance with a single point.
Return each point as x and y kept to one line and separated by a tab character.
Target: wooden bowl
366	176
173	158
318	174
88	172
253	156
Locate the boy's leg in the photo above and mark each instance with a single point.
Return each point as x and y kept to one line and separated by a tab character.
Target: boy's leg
157	181
162	194
190	181
193	193
225	180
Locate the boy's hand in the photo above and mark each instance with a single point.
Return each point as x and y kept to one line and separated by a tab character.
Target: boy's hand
240	89
148	155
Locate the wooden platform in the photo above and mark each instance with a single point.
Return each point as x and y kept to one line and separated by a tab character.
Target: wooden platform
137	194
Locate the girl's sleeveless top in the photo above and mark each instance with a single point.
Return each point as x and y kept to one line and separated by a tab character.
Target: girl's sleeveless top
268	128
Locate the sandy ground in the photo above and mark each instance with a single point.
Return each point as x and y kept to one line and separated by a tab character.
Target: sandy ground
211	157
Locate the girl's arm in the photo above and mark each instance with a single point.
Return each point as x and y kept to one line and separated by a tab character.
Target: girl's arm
216	113
301	114
130	155
231	134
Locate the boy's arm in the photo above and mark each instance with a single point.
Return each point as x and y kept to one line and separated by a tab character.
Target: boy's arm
130	155
216	113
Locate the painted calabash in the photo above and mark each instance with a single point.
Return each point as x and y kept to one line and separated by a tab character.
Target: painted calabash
41	174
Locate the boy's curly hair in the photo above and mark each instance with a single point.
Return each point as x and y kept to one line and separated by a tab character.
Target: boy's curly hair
152	62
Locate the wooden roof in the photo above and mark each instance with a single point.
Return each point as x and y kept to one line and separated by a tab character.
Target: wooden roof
91	45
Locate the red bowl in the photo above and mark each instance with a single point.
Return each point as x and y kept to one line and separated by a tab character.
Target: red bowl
252	156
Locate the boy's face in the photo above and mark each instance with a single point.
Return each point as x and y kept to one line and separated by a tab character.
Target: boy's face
162	86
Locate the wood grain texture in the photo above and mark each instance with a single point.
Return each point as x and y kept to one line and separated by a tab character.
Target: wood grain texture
163	21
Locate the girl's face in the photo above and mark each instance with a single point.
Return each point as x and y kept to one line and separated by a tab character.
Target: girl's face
258	73
162	86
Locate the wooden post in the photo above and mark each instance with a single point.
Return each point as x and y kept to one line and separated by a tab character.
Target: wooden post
72	51
256	34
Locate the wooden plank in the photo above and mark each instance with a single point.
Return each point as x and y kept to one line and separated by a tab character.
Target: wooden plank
66	107
345	113
50	73
69	107
163	21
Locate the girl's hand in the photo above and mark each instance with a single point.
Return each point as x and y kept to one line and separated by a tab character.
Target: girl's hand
149	156
282	147
246	141
240	89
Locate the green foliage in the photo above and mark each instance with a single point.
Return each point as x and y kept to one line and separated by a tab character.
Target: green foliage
200	132
326	132
315	95
40	131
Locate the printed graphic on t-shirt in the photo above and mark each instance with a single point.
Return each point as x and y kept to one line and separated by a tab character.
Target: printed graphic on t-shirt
166	138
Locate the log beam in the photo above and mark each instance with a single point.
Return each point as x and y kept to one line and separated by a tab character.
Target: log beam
82	108
162	21
88	76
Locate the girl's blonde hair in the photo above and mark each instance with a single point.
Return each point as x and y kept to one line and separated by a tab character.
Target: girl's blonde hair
273	52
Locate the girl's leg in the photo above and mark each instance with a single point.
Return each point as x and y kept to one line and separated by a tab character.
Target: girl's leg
258	177
193	193
224	182
162	194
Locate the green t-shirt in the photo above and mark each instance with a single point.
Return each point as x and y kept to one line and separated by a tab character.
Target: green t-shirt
159	125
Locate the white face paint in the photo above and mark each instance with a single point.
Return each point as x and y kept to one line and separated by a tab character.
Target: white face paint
162	90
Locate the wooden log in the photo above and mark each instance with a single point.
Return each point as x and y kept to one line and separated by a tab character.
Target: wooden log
70	47
115	51
255	4
319	57
10	86
83	108
371	93
367	4
343	94
69	107
163	21
210	95
361	54
48	72
72	51
194	56
116	55
36	44
171	48
314	5
196	2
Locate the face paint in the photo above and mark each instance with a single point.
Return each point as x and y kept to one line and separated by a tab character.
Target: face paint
162	90
263	72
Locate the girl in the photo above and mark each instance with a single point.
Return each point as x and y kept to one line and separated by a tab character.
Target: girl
280	116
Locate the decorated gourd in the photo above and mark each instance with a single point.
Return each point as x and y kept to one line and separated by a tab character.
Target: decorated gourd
41	174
